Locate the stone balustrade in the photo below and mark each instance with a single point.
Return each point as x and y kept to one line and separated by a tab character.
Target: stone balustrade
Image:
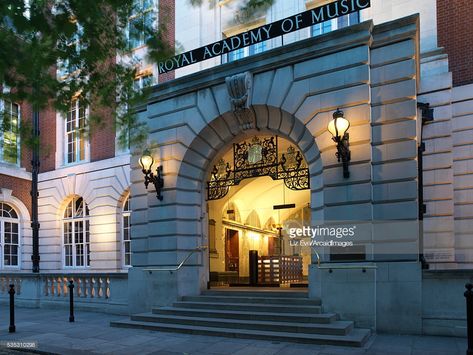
85	285
106	292
7	280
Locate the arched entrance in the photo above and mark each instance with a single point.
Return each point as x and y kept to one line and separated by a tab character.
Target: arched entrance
216	138
256	192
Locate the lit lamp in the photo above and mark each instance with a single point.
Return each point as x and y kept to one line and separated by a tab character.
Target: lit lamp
146	162
338	127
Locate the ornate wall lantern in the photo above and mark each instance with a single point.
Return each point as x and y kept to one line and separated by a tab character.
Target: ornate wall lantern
146	162
338	127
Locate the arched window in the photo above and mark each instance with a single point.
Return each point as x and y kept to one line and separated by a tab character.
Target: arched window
126	237
9	233
76	234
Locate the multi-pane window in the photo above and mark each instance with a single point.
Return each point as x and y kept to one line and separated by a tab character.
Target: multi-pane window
76	234
330	25
257	48
143	81
68	66
9	132
321	28
9	233
235	55
126	237
246	51
76	121
141	22
348	20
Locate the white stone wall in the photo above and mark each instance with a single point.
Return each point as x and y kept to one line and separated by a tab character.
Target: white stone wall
436	89
382	11
462	134
364	71
102	185
199	26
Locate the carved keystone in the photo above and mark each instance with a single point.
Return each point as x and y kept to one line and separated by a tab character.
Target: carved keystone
239	88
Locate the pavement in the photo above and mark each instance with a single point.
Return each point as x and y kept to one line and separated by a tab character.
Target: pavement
48	331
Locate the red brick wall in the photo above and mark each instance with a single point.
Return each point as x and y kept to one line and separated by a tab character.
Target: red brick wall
102	139
455	34
20	188
47	129
167	15
25	151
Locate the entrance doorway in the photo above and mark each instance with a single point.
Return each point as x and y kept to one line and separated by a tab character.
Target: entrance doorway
232	251
256	215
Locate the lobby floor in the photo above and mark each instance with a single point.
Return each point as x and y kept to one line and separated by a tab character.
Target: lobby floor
50	330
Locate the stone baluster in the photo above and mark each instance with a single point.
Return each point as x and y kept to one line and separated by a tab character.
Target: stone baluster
65	290
93	286
100	287
107	293
18	285
59	286
86	286
45	286
79	287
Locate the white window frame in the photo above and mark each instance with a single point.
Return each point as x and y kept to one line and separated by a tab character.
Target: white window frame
333	25
2	138
153	8
17	221
145	73
126	213
85	219
247	51
77	139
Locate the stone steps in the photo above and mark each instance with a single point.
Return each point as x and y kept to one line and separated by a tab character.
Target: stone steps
334	328
269	315
261	294
252	299
250	307
357	337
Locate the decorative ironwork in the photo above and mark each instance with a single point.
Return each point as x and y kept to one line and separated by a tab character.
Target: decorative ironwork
259	157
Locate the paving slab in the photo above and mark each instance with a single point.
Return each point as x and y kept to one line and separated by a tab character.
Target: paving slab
92	334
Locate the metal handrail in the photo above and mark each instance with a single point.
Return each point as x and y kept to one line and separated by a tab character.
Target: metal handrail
181	264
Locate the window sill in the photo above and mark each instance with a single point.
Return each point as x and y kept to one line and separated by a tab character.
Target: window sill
234	29
14	171
68	165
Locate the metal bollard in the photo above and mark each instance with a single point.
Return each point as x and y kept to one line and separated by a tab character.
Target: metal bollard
71	301
469	317
11	292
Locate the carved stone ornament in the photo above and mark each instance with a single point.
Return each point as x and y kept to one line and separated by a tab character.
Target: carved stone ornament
239	88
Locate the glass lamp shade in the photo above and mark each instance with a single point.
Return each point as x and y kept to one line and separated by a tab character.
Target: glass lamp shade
338	126
146	160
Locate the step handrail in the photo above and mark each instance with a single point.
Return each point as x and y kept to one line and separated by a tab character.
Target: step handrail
181	264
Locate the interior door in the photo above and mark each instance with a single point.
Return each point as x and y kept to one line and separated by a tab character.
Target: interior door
232	250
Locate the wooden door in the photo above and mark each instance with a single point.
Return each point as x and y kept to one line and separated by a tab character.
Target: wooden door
232	250
272	246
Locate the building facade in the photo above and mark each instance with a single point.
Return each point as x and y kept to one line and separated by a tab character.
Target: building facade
379	66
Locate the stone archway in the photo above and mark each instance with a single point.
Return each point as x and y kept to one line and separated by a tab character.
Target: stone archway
220	134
